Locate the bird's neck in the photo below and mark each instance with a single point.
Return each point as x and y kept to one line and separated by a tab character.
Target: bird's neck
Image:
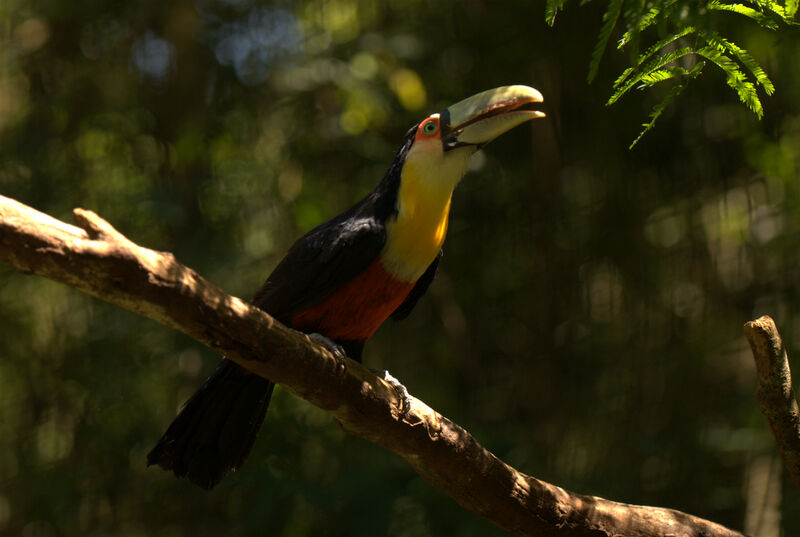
415	234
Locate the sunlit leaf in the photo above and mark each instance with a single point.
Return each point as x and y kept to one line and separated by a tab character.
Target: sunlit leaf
676	24
714	39
774	7
609	21
735	78
653	50
645	22
656	63
551	9
662	75
666	101
749	12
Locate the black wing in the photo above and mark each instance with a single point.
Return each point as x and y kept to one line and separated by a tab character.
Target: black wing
320	262
335	252
404	309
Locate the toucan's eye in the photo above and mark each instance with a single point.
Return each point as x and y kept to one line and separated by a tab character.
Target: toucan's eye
429	127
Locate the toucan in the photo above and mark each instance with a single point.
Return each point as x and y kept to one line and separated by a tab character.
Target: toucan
344	278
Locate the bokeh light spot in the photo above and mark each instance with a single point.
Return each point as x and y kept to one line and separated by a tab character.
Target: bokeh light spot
409	89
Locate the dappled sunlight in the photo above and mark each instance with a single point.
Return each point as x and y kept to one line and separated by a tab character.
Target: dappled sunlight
585	322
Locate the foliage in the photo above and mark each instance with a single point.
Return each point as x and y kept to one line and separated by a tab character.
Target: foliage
687	39
585	324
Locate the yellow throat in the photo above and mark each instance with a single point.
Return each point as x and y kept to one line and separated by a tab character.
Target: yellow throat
415	235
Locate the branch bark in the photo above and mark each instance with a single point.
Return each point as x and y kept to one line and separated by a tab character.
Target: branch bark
774	393
100	261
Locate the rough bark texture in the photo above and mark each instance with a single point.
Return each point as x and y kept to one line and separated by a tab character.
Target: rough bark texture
774	392
98	260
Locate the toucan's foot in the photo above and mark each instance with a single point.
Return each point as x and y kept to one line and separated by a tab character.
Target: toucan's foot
336	349
405	397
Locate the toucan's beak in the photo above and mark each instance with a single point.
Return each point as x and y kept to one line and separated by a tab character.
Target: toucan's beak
479	119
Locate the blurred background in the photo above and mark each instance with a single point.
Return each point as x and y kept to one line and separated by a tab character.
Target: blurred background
586	323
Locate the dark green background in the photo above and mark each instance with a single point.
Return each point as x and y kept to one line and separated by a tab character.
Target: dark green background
585	324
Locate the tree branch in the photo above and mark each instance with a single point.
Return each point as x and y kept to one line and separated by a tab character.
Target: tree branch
98	260
774	392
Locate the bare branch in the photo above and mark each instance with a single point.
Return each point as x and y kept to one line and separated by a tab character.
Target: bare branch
774	392
100	261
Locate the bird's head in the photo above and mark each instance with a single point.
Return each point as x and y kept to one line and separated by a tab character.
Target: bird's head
443	142
477	120
430	164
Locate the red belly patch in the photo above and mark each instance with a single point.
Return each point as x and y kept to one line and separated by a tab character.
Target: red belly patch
355	311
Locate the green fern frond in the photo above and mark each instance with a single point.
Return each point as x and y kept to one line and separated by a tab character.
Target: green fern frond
621	78
736	79
690	29
652	50
777	9
662	75
658	62
649	18
551	9
609	21
657	111
722	44
748	12
765	5
666	101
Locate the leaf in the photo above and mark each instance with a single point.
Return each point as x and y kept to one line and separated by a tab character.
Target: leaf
714	39
652	50
625	74
775	7
654	64
646	21
679	19
666	101
657	110
736	79
661	75
551	9
609	21
748	12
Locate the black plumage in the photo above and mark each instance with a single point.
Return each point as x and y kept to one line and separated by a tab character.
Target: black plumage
217	427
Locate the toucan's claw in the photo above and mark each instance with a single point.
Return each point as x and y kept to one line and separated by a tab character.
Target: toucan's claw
331	345
402	392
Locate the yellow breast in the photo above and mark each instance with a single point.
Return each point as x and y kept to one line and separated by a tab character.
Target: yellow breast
416	233
415	236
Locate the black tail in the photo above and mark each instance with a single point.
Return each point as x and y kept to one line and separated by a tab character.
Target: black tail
216	428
